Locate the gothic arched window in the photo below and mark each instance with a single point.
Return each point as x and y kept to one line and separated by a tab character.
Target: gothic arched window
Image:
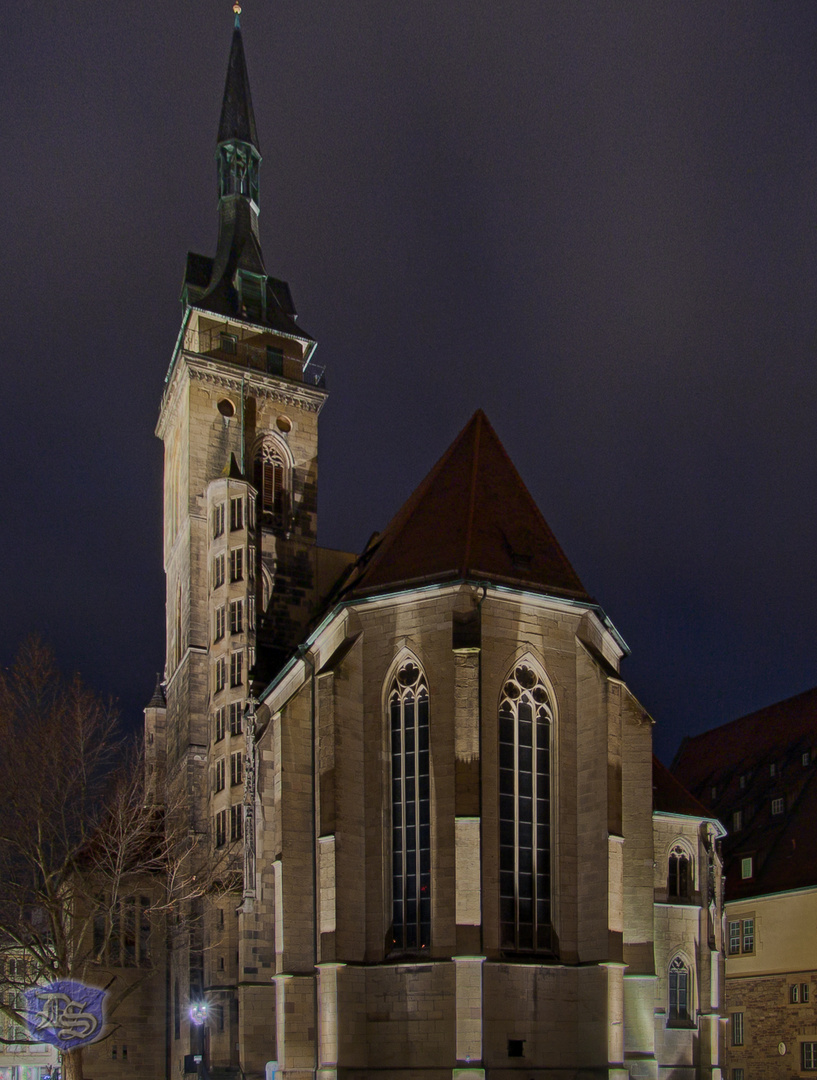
678	992
270	478
524	812
679	875
411	816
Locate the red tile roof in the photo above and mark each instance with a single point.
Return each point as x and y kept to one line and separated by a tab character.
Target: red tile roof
743	767
471	518
760	734
671	797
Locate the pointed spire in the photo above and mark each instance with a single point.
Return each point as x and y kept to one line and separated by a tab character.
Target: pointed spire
237	122
157	701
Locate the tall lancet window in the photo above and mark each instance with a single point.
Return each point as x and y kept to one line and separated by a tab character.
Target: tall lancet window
524	812
411	817
270	477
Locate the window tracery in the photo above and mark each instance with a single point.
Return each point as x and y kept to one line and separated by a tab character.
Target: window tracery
679	874
411	817
525	718
678	991
271	478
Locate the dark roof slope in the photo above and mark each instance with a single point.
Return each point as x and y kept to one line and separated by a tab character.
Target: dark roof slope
471	518
237	117
759	776
783	847
671	797
748	739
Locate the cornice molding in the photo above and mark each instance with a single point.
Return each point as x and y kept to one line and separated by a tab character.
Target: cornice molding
308	398
304	397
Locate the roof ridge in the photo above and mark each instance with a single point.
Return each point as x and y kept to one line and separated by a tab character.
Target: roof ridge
479	416
565	561
756	713
409	507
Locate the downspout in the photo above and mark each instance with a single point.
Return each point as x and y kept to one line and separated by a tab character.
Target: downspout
302	651
484	586
242	427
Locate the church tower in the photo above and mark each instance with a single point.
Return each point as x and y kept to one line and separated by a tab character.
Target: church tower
239	423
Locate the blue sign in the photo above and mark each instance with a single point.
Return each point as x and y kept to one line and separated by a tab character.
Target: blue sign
66	1014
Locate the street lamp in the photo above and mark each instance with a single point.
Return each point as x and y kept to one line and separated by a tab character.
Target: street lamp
198	1014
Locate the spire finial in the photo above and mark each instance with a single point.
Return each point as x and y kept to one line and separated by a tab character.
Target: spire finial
237	10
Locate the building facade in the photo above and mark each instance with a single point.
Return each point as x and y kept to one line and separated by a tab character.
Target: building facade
757	774
431	791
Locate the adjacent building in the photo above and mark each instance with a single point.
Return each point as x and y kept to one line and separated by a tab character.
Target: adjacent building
21	1060
758	774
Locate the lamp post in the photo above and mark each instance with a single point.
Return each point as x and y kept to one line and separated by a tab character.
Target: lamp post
198	1014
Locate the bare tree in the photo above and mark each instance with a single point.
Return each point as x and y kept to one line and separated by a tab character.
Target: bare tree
88	863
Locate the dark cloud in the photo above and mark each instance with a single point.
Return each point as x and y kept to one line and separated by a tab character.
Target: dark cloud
595	221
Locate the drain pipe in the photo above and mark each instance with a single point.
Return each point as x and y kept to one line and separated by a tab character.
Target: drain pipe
484	586
304	655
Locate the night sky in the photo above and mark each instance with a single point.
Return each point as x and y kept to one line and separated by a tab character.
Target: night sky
595	220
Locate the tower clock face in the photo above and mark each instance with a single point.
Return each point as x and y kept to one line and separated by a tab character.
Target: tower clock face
781	1048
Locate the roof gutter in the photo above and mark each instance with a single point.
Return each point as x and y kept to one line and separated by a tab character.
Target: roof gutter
483	585
179	339
719	829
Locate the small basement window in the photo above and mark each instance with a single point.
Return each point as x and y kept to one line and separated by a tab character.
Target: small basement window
516	1047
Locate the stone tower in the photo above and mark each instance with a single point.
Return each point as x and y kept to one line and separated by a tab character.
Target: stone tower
239	423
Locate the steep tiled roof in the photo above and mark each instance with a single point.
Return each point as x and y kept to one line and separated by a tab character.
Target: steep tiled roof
671	797
471	518
745	769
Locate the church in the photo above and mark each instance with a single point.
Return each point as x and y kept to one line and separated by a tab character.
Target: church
452	853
